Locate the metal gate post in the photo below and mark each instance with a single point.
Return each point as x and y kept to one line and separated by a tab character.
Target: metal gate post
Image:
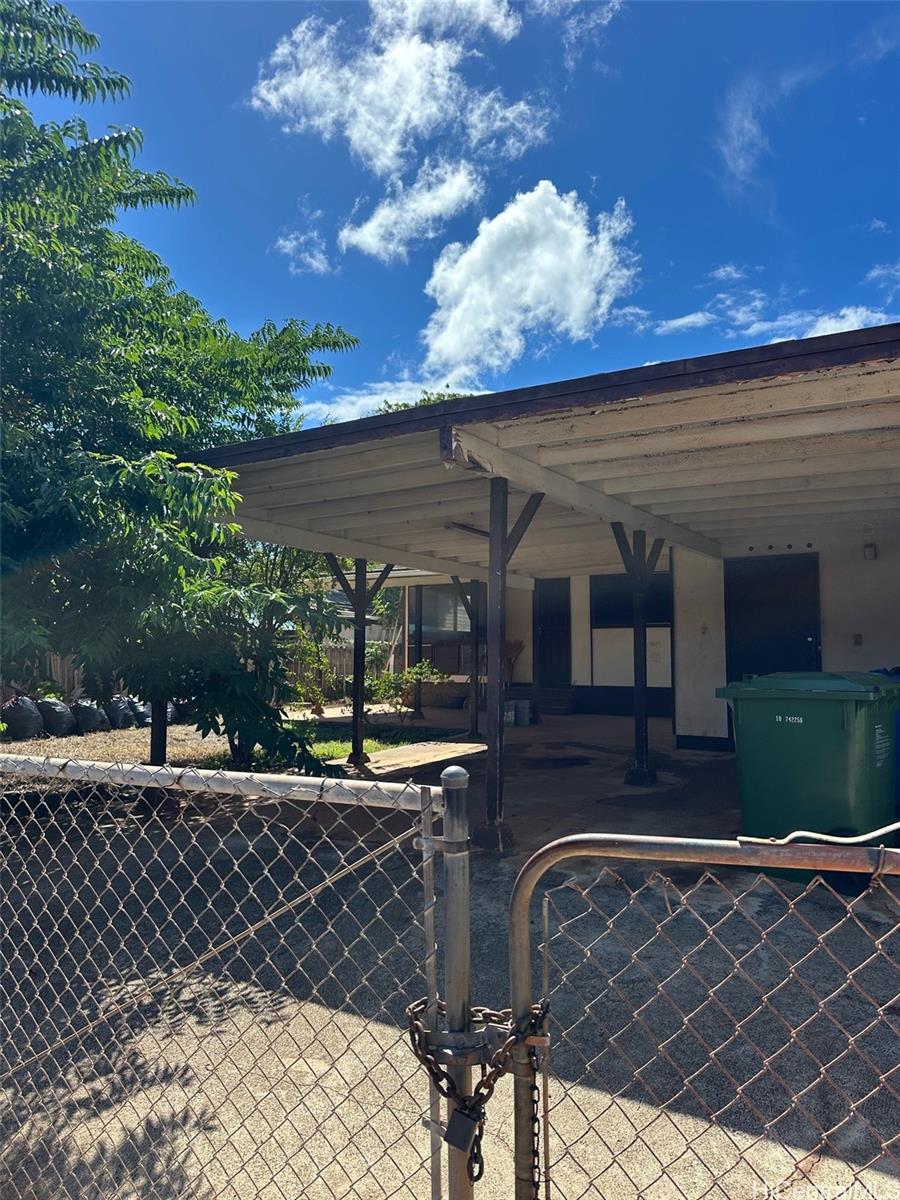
455	783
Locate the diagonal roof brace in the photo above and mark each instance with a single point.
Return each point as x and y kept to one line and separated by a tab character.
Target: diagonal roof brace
462	448
307	539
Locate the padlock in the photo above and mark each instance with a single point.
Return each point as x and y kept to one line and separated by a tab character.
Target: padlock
462	1128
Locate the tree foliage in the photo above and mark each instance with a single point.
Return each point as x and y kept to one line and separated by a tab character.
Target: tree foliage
391	406
113	539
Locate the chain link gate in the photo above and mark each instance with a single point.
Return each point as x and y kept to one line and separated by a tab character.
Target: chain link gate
714	1032
203	980
207	981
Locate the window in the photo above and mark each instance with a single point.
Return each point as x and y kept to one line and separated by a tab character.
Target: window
611	601
443	611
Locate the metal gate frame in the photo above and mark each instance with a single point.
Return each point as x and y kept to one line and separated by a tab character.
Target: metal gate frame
829	854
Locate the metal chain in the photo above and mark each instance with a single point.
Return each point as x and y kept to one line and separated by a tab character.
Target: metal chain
535	1124
475	1104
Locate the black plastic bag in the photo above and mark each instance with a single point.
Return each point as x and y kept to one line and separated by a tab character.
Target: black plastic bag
22	719
119	713
58	719
90	717
141	711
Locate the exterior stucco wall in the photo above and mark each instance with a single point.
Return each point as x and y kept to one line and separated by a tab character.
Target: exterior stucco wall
699	644
519	621
582	671
860	602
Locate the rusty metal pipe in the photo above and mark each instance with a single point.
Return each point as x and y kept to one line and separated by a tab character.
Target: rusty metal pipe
803	856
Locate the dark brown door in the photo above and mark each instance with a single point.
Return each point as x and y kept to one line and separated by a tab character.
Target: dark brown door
552	633
772	615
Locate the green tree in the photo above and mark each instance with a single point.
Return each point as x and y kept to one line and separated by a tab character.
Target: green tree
113	539
391	406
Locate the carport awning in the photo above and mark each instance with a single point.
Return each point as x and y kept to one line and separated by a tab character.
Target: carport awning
794	440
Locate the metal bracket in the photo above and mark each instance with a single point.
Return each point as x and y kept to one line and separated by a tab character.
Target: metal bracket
439	845
469	1049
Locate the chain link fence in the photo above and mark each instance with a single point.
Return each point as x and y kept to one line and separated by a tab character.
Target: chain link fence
723	1035
204	978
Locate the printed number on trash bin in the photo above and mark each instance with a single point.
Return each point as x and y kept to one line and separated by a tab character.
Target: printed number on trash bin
780	719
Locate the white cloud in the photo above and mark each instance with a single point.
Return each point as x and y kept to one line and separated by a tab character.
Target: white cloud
749	313
879	41
743	307
305	252
876	225
586	23
727	273
382	99
854	316
498	127
352	403
801	323
630	316
694	320
887	276
407	215
580	21
540	267
466	17
742	141
399	87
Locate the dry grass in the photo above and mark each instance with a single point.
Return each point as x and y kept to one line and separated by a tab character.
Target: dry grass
186	747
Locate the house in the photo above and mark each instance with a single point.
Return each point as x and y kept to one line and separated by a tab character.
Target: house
647	534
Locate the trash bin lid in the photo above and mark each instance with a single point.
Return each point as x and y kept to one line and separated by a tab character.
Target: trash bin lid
810	685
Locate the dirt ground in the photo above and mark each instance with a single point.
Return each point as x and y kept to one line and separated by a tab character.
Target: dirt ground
186	746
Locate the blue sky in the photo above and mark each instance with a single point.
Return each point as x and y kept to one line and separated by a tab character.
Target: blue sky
491	194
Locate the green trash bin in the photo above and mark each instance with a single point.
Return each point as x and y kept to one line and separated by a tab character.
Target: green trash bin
815	751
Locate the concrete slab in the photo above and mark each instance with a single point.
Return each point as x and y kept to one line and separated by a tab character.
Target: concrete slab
566	775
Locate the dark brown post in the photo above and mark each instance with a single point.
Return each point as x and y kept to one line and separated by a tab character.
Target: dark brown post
641	774
359	596
489	835
159	732
639	566
357	754
406	662
474	589
417	714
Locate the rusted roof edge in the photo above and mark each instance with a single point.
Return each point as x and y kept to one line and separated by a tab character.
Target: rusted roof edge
711	370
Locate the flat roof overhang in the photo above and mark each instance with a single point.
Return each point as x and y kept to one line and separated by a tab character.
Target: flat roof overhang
794	439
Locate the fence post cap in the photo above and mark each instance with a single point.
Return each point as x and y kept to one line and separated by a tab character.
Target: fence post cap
455	777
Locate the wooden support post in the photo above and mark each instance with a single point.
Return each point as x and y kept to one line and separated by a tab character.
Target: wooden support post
159	732
406	662
417	714
639	566
491	835
474	654
357	754
359	596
